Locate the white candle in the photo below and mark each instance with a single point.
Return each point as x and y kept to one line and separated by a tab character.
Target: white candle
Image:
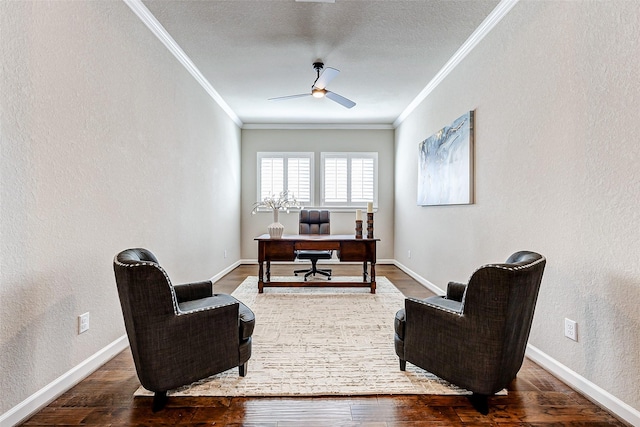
358	214
370	207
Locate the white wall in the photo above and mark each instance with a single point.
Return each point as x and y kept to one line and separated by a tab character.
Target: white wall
107	143
555	88
317	141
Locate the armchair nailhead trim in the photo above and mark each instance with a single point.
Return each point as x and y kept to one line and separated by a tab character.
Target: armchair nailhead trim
213	307
514	267
176	310
448	310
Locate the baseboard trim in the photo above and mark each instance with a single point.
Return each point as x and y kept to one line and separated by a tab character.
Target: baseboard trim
51	391
584	386
66	381
46	395
298	262
224	272
572	379
424	282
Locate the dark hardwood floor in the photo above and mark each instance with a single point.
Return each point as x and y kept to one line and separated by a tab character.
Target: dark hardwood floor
105	398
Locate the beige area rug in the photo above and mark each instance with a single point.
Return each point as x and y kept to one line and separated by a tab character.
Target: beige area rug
319	342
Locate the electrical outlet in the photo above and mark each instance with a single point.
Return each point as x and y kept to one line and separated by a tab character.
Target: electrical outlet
225	253
409	254
83	323
570	329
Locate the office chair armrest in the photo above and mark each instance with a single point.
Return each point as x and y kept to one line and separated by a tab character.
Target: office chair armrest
193	291
455	291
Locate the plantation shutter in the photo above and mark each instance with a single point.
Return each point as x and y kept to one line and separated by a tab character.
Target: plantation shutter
278	172
335	180
299	178
362	176
349	179
271	176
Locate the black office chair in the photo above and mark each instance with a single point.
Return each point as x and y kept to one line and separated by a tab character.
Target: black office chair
314	222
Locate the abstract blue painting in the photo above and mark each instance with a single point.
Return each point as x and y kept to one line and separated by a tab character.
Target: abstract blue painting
445	165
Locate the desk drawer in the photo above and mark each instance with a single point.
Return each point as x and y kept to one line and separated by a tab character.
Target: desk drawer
317	246
357	251
279	251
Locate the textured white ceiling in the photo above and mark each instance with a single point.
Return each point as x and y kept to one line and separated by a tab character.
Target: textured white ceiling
387	51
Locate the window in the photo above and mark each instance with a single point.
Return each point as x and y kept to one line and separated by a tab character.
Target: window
345	180
286	171
349	179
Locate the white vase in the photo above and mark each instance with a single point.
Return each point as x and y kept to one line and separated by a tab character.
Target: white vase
275	229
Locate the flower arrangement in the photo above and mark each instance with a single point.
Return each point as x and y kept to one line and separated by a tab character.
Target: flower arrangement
285	201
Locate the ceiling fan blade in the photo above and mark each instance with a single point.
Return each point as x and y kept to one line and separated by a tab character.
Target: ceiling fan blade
340	99
327	75
282	98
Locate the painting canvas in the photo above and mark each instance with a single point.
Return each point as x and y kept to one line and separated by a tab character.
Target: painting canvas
445	165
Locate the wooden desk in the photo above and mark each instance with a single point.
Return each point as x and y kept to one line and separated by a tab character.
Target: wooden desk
347	246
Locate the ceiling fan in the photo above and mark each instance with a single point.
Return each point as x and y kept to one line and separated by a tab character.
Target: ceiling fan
318	89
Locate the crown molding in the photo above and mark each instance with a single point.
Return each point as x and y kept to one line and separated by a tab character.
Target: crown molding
485	28
324	126
158	30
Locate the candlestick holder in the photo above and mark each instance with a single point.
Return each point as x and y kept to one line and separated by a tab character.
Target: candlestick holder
358	229
369	225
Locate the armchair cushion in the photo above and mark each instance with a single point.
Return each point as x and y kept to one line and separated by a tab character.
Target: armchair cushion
398	323
193	291
398	339
445	304
455	291
136	255
246	318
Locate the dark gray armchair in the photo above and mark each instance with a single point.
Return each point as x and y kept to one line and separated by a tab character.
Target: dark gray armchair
178	333
476	335
314	222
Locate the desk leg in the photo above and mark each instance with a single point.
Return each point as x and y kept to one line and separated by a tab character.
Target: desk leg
364	271
373	277
268	271
260	277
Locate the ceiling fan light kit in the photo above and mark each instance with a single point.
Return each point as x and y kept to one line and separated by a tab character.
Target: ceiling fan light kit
318	93
318	88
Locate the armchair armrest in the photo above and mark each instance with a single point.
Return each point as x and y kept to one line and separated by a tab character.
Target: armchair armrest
193	291
455	291
448	343
185	347
430	323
